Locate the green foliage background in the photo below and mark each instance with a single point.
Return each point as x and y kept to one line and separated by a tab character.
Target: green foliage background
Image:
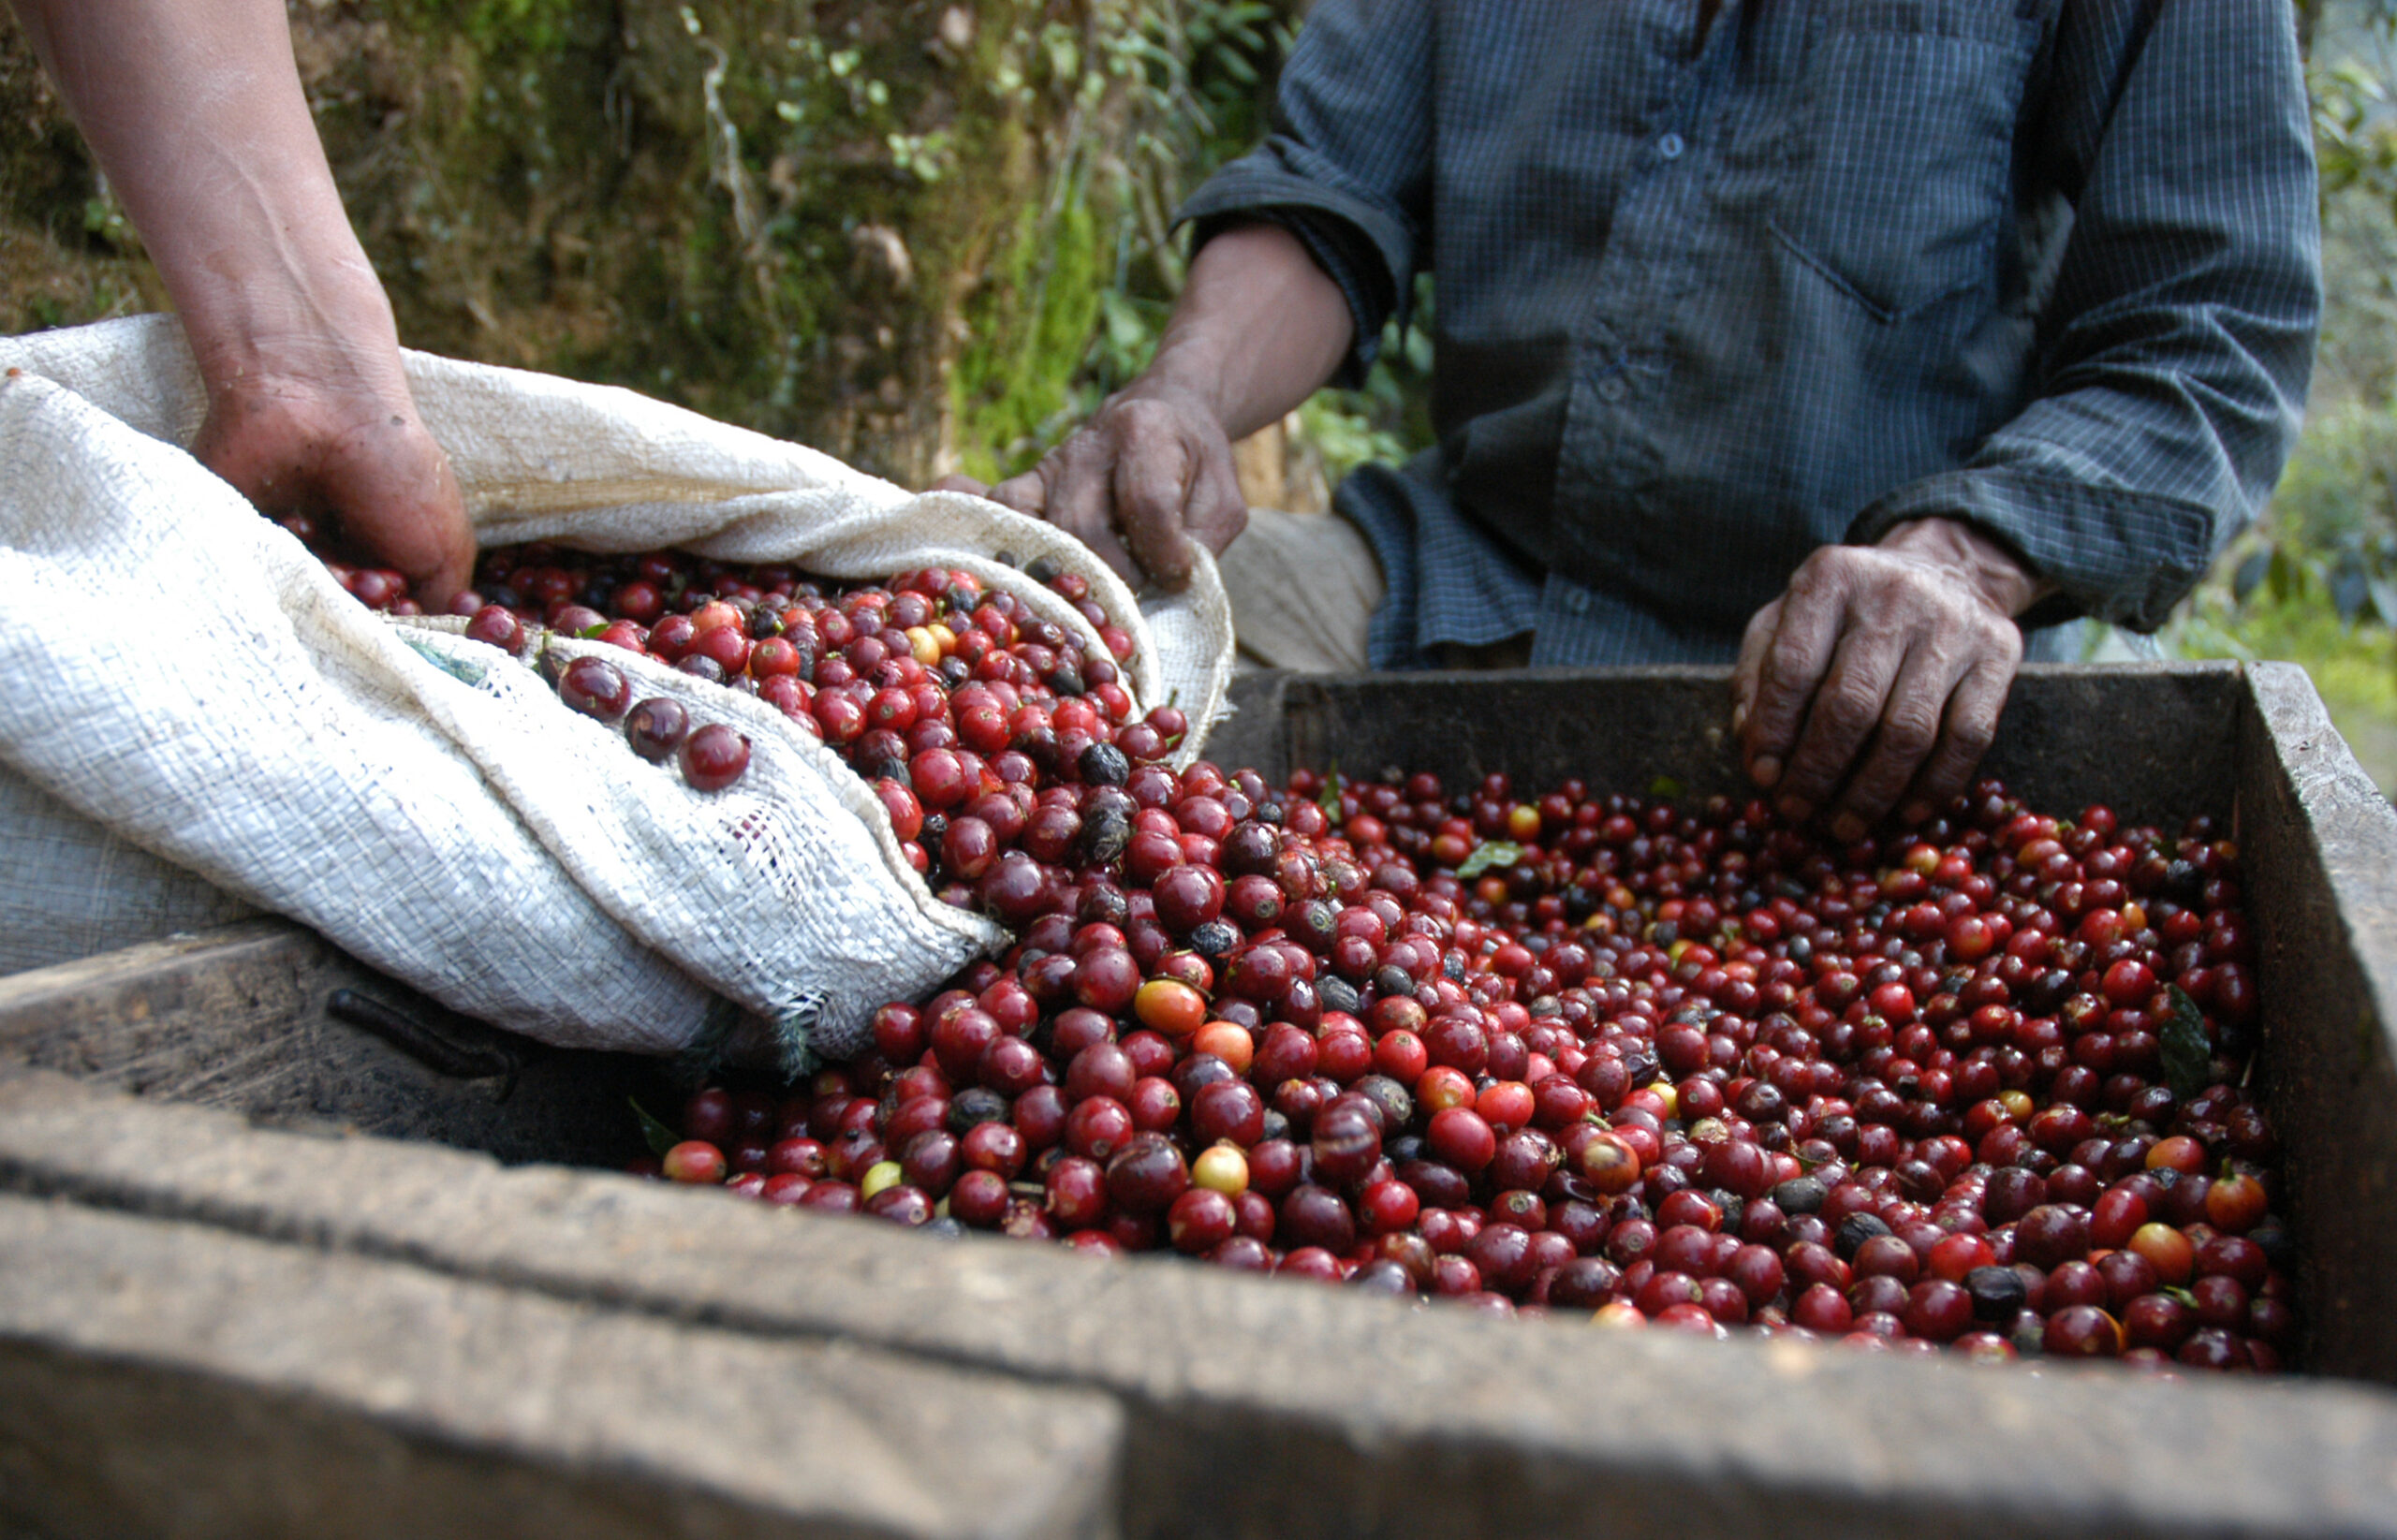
2316	582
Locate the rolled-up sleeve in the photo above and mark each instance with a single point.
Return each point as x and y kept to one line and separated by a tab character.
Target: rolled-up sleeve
2177	341
1348	165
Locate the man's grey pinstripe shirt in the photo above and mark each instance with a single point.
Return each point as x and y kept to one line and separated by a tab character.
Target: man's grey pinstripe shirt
1713	295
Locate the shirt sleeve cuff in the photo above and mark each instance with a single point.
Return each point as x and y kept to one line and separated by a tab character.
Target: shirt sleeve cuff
2123	557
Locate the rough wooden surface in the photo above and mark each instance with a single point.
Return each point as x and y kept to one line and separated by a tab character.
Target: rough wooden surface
1256	1406
2153	741
238	1018
2320	844
168	1378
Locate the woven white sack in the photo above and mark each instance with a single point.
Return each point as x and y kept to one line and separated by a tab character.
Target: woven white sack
186	676
70	887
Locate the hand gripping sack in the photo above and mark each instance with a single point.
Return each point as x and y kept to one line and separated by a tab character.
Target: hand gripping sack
190	694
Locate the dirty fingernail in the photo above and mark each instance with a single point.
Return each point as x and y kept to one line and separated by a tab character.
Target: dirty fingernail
1848	828
1795	808
1917	813
1765	771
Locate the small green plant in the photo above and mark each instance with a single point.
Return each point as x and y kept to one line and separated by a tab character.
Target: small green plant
2331	533
2354	665
105	222
498	26
2316	582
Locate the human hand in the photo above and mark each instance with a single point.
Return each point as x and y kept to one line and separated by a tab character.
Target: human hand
1876	679
308	408
363	463
1147	476
1148	479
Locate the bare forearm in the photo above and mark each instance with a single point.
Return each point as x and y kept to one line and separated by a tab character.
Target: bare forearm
196	113
194	108
1257	329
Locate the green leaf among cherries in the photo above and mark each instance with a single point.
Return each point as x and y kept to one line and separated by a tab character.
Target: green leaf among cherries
2187	1054
1491	854
1329	798
659	1138
457	668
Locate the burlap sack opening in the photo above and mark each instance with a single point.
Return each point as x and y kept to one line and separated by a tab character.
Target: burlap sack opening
192	695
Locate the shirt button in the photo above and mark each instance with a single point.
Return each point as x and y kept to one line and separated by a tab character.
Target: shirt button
1611	388
1670	147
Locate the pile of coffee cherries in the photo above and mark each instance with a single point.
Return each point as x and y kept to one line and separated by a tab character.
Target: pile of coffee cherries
1974	1085
859	665
1977	1085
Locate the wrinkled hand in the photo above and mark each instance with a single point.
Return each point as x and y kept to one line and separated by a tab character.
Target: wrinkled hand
1875	680
198	117
1147	476
358	458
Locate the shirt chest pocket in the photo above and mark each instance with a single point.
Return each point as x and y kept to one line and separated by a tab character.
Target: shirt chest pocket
1897	164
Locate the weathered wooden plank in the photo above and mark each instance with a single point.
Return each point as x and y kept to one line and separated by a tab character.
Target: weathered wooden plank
238	1018
2320	844
1260	1406
2153	741
165	1378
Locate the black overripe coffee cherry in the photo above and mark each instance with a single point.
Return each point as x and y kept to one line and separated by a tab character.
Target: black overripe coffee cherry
1103	765
1856	1229
1104	833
